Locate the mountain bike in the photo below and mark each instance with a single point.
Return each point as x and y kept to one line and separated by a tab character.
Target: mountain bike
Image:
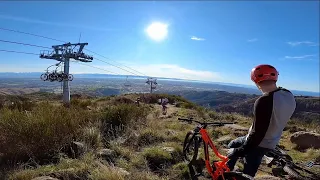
285	166
218	170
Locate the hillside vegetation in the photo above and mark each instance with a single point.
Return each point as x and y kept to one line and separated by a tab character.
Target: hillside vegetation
308	108
109	138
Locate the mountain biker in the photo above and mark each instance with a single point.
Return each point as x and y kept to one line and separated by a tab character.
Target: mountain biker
164	102
271	113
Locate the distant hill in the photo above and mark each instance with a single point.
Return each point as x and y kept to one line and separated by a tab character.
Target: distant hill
308	108
229	87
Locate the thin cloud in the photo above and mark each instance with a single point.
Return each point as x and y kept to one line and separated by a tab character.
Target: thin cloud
299	57
155	70
297	43
197	38
37	21
252	40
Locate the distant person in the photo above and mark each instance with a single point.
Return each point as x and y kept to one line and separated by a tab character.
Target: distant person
137	102
163	102
271	113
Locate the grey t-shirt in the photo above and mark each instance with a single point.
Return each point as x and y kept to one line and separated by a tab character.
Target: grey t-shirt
272	112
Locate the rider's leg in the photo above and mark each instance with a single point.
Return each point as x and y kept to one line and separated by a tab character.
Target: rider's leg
253	160
235	144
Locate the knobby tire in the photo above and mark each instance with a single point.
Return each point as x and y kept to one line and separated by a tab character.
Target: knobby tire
191	141
293	173
235	176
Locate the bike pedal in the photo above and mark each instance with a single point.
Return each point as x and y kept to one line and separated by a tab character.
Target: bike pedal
310	164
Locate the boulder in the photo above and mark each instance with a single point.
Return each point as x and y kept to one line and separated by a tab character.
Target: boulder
44	178
78	149
74	150
305	140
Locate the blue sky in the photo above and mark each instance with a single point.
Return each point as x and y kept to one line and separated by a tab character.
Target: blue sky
211	40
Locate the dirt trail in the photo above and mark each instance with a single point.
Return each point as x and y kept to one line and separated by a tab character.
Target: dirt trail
171	110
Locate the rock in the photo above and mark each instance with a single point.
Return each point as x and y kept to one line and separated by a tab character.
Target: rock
267	177
225	139
171	132
123	172
305	140
294	129
107	154
168	149
74	150
78	149
236	127
44	178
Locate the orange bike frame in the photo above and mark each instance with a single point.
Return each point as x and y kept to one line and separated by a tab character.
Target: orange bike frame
221	166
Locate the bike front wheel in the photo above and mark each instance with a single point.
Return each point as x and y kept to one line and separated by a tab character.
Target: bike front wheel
191	146
234	176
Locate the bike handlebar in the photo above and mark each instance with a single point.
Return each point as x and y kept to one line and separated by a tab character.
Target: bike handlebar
190	120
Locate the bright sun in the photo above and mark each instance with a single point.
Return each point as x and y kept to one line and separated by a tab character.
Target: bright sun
157	31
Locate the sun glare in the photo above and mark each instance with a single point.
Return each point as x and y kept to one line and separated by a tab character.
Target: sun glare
157	31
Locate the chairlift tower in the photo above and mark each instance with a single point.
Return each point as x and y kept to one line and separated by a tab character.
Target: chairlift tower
63	53
152	82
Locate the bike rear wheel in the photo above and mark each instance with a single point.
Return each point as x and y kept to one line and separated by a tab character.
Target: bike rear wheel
191	146
234	176
299	173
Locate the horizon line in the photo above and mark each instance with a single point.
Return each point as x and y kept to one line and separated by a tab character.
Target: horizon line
208	82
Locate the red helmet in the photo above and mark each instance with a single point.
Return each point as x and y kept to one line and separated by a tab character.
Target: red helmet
264	72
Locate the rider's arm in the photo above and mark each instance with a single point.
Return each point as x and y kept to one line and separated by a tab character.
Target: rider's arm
263	108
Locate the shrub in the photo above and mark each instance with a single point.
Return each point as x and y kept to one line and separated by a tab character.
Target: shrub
180	171
16	102
92	137
188	105
143	175
216	133
116	118
40	133
80	103
149	136
157	158
153	98
122	100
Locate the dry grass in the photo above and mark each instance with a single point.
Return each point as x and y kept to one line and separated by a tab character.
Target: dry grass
139	136
40	133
